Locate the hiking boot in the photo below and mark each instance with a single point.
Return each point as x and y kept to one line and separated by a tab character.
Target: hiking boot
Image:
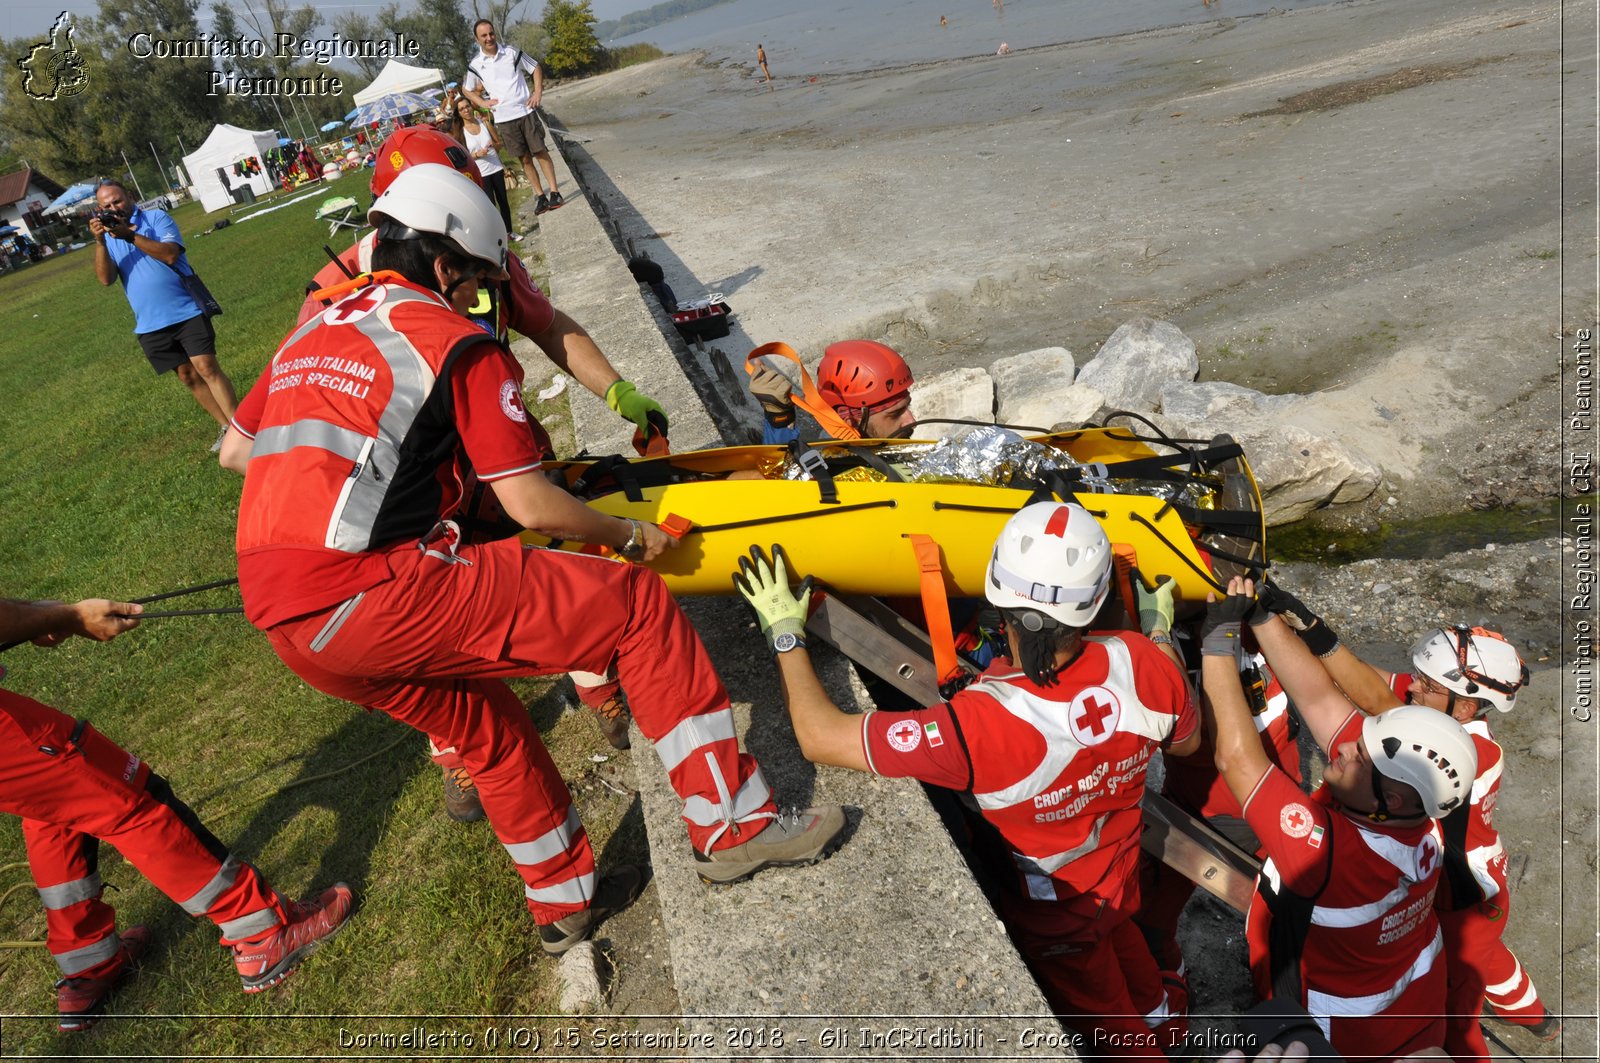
619	888
461	801
555	200
793	839
263	964
613	718
1547	1028
81	999
541	204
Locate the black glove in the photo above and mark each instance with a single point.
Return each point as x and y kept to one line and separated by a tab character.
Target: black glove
1314	631
1219	631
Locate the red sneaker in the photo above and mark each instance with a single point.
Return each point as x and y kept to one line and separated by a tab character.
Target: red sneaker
263	964
81	999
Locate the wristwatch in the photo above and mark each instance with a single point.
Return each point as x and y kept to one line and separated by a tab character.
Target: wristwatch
633	549
787	641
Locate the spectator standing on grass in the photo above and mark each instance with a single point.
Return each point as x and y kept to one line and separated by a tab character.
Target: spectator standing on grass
144	250
74	788
483	144
497	80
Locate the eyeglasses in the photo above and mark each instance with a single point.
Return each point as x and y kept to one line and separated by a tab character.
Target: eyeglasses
1427	685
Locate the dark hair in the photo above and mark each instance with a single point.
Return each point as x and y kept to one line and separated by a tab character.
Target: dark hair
1038	649
110	182
413	258
481	22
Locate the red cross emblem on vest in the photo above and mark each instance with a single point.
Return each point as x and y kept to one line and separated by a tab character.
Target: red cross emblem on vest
1093	715
353	309
1426	863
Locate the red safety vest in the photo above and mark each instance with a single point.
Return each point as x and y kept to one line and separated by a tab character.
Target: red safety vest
1060	770
357	446
1369	934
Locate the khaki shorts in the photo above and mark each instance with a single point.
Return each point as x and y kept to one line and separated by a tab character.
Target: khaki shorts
523	137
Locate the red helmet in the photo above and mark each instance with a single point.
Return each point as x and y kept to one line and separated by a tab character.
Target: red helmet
861	374
418	144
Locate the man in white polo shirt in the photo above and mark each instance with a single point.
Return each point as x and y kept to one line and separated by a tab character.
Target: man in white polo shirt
497	81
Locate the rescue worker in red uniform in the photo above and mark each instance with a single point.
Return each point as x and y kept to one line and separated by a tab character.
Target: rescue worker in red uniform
1462	672
1193	784
356	445
1053	750
74	787
1343	919
523	308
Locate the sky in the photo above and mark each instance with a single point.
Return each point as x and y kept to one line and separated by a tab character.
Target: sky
32	18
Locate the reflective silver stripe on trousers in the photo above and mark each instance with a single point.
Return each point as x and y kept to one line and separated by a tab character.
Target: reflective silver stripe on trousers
577	890
79	960
202	901
248	926
696	732
412	381
550	844
67	894
324	435
751	796
335	622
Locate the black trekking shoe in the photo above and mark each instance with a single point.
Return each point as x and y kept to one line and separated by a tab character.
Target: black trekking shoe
619	888
555	200
541	204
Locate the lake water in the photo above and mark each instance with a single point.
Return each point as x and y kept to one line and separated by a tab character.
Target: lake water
835	36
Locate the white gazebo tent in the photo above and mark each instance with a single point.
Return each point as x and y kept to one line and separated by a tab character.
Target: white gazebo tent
210	166
398	77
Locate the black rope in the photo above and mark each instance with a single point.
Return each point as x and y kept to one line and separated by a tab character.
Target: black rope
731	525
1202	573
190	612
196	589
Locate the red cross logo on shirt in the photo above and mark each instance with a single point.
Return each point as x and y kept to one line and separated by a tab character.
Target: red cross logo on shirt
1093	715
1426	863
353	309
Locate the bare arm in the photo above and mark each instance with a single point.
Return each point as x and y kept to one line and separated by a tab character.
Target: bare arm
538	86
826	734
540	506
566	344
1304	679
1240	758
236	448
48	623
1363	683
477	98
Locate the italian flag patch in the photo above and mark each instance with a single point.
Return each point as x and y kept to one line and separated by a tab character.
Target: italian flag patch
935	736
1315	841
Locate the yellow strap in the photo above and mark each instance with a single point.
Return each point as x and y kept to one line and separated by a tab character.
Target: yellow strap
936	608
810	399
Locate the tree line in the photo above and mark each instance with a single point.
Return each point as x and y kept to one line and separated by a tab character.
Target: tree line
127	104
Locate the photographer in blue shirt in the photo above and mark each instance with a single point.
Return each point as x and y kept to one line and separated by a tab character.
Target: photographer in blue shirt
144	250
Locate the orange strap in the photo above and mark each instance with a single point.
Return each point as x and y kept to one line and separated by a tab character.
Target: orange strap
810	399
1126	559
936	608
334	292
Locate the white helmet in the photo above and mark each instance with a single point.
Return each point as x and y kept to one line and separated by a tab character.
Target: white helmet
1426	750
1052	557
434	198
1474	661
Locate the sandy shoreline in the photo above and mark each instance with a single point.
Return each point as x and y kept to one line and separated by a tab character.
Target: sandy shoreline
1398	252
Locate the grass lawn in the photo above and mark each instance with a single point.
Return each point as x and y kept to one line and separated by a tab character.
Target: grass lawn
111	491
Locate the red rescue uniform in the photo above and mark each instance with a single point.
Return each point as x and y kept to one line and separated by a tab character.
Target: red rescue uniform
1058	772
1474	909
368	425
1343	920
73	788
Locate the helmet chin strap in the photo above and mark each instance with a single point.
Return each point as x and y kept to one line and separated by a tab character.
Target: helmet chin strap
1381	813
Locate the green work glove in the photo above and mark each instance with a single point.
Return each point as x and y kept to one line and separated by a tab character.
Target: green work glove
775	394
779	610
1155	606
625	399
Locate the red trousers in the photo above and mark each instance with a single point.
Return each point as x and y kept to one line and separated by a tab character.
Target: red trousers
73	787
1102	983
1479	967
428	647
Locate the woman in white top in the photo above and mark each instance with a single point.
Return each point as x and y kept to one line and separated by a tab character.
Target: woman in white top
483	144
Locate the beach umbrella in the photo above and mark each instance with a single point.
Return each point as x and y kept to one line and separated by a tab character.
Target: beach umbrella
72	196
351	115
388	108
335	125
7	230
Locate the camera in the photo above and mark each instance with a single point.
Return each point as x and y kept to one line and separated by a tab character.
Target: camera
108	217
